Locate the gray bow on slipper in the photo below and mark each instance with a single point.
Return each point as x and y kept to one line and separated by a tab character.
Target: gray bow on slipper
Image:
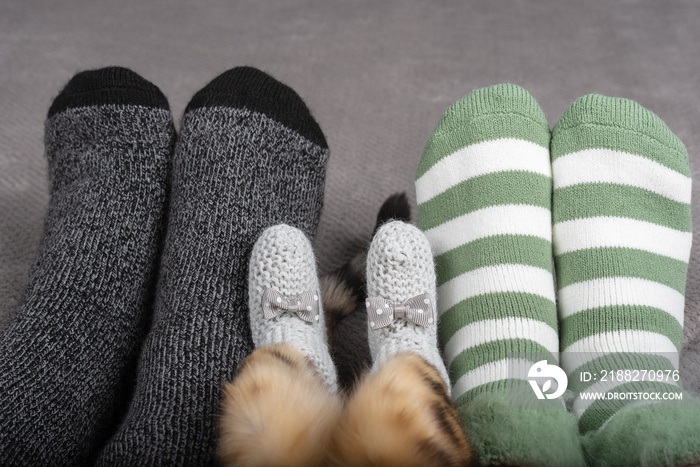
417	310
305	306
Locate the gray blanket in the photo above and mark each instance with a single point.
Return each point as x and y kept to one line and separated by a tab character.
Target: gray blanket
376	74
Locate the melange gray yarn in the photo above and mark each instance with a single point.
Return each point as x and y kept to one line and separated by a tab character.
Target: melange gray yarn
235	172
66	357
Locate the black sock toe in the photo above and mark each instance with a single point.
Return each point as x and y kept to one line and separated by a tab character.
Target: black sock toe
256	90
111	85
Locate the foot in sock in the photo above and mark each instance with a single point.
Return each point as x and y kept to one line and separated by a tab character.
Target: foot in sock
250	156
283	404
483	189
66	357
401	413
622	236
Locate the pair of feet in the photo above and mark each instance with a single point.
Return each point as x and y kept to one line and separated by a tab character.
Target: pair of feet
144	264
605	195
283	407
400	276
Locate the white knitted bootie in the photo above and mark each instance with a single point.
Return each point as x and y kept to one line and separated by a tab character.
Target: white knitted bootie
401	307
285	299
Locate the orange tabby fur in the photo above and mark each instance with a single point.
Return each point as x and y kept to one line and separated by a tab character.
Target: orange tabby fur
400	416
276	412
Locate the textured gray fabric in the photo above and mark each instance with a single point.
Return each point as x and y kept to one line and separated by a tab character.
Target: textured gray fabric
67	358
235	173
400	267
376	74
283	260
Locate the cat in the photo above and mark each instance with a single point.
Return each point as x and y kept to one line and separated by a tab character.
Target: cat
277	412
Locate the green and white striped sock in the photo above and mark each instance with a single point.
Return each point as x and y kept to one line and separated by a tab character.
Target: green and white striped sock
622	235
483	189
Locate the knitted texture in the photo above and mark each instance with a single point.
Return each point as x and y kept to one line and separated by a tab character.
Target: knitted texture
485	208
400	267
67	357
483	188
283	259
622	236
236	171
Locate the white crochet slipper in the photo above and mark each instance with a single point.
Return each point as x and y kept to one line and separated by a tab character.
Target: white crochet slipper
285	299
401	306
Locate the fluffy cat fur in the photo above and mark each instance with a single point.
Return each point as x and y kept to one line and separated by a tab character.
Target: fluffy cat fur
400	416
277	411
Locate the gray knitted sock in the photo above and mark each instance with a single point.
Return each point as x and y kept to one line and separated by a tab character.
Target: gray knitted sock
250	156
283	267
400	268
66	357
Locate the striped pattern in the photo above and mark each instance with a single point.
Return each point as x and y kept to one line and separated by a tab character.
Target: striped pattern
483	188
622	237
516	368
